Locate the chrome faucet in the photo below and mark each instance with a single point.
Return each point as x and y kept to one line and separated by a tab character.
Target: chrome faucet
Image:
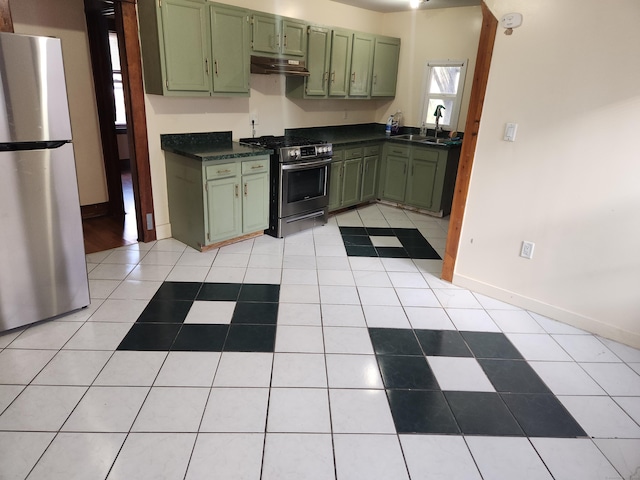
438	115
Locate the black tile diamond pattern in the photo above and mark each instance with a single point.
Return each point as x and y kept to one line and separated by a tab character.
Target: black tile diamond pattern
357	242
521	405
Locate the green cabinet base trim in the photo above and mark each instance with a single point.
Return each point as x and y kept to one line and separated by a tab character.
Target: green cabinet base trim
215	202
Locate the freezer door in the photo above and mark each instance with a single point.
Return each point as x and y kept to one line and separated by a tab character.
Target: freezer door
43	271
33	94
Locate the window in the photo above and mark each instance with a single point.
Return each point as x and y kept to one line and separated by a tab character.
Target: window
443	85
121	119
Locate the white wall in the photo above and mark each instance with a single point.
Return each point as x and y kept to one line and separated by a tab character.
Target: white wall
570	77
65	19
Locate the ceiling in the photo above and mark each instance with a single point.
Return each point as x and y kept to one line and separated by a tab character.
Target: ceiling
387	6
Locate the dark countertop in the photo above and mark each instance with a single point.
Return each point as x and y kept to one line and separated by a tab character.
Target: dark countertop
354	135
208	146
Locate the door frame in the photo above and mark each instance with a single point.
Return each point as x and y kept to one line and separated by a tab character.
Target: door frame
472	125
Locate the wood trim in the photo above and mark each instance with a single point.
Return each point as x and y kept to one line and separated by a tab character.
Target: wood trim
6	22
472	125
98	34
95	210
205	248
131	64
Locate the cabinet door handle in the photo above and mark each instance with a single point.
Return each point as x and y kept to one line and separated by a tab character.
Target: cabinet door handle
216	65
206	65
285	41
375	79
236	190
333	77
353	77
257	166
224	171
325	78
245	190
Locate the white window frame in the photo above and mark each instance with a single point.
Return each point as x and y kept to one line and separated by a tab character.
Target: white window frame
428	117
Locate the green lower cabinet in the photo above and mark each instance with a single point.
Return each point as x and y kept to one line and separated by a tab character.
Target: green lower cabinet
369	176
335	180
224	209
395	178
422	180
351	182
255	202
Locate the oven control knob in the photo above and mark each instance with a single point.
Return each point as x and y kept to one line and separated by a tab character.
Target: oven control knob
294	153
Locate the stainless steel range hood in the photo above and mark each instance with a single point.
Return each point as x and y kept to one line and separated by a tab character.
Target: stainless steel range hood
266	65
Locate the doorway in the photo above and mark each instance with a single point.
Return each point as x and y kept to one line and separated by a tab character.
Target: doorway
127	216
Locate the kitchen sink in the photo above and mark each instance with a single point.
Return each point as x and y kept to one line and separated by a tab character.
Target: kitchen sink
421	139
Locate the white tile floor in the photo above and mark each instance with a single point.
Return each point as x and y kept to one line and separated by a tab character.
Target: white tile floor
72	407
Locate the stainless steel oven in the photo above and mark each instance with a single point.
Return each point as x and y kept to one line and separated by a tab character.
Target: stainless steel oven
299	183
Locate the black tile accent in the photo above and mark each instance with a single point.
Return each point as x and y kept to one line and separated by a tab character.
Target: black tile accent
165	311
542	415
406	372
491	345
178	291
446	343
394	341
194	337
423	253
361	251
220	291
414	242
356	240
250	292
407	233
380	232
482	413
392	252
515	376
150	336
353	231
251	338
421	411
255	313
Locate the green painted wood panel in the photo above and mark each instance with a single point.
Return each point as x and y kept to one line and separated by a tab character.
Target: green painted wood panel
230	49
255	203
186	45
395	178
294	38
318	49
351	182
335	185
341	41
224	209
385	67
265	33
369	177
361	65
422	182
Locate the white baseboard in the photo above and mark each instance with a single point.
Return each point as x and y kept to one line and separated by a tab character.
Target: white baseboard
556	313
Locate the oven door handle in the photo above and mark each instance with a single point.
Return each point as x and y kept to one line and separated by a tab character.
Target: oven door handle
299	166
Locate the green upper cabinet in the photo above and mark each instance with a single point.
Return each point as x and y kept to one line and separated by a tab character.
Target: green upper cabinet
175	46
361	65
230	49
318	49
340	63
385	66
274	36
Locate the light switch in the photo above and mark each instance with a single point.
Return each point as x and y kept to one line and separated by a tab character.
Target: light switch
510	132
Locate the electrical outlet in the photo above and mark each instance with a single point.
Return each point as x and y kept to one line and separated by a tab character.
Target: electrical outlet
527	249
254	118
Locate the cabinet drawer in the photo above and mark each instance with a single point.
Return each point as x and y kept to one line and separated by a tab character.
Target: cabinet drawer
401	150
222	170
338	155
425	154
371	150
353	153
255	166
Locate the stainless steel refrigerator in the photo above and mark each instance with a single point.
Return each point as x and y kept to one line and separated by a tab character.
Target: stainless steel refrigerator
43	271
